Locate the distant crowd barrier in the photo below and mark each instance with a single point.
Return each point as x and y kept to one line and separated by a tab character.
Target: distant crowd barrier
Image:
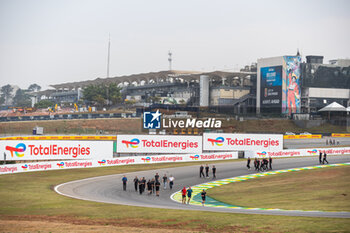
298	152
59	165
302	136
340	135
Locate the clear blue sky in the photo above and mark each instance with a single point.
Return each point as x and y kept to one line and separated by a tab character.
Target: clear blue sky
56	41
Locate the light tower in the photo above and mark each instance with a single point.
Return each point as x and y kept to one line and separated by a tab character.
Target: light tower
108	55
170	59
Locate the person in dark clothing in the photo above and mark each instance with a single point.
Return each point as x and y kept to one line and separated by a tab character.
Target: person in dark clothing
270	162
125	180
143	184
149	187
257	165
136	183
156	177
214	171
320	157
140	186
264	164
201	173
324	158
248	163
203	194
207	170
157	187
153	185
165	181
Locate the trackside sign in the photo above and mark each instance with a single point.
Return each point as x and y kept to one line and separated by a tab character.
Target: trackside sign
242	142
159	144
60	165
58	150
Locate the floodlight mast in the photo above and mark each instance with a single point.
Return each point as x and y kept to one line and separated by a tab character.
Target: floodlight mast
170	59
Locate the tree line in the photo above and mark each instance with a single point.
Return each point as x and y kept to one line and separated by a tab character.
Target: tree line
21	98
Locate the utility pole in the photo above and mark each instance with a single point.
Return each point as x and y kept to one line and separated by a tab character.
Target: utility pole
108	56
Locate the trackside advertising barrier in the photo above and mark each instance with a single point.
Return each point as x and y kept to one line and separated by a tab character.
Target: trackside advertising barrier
55	150
340	135
298	152
87	137
302	136
242	142
159	144
58	165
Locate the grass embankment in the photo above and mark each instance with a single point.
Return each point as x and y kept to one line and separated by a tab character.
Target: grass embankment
86	126
29	197
325	189
134	126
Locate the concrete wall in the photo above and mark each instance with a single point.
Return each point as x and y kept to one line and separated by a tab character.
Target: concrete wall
204	91
225	93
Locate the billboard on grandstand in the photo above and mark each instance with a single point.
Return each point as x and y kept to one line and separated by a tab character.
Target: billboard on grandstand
55	150
242	142
158	144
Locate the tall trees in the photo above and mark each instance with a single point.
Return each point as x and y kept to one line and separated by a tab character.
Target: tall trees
34	87
22	99
102	94
6	94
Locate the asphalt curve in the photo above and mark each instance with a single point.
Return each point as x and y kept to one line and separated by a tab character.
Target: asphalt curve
108	189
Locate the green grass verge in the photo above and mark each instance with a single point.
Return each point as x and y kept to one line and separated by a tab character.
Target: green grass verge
325	189
28	194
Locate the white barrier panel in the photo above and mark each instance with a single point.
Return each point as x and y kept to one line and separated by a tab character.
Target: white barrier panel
299	152
242	142
58	165
55	150
159	144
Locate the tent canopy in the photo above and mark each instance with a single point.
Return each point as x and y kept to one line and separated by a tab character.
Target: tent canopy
333	107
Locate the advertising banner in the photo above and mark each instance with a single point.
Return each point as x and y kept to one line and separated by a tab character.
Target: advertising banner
340	135
299	152
242	142
291	93
271	87
302	136
58	165
55	150
159	144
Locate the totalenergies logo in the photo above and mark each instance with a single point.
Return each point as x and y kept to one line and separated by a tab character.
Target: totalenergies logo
312	152
102	162
25	167
219	141
195	157
134	143
21	147
146	160
263	154
60	165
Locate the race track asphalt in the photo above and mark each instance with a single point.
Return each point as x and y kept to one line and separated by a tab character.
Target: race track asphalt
108	189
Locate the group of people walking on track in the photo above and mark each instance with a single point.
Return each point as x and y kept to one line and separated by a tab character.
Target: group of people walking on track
152	186
261	165
206	168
